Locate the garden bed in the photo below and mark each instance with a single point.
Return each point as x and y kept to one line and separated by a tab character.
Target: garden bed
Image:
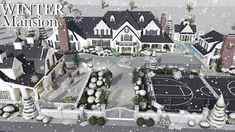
97	89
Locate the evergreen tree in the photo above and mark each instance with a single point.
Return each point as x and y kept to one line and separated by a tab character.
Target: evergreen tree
42	33
217	116
219	64
31	33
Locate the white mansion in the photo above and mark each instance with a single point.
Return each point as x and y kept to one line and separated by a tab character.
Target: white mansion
125	31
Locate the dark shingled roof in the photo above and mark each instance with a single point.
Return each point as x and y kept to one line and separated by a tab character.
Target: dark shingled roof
1	51
30	57
7	63
156	38
85	25
180	27
213	37
18	39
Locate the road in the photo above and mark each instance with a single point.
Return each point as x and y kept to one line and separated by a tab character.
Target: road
39	127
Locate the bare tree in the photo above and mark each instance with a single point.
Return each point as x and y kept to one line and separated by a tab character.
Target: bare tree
61	1
70	7
103	4
132	4
189	6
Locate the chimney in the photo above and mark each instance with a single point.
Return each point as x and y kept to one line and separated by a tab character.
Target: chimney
163	22
63	35
227	51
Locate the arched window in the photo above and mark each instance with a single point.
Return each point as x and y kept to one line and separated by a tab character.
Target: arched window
126	37
141	19
112	18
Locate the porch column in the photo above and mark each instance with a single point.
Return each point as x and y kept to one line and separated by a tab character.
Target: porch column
131	50
36	96
162	46
172	47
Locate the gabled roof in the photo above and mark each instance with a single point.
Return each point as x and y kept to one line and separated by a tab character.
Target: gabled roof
213	37
180	27
84	26
130	16
18	39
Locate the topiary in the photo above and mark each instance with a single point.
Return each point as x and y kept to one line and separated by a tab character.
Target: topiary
150	122
140	121
93	120
100	121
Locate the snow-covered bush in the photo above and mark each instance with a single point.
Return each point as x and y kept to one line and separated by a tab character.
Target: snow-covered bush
91	99
191	123
204	124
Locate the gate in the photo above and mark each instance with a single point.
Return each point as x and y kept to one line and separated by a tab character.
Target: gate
119	113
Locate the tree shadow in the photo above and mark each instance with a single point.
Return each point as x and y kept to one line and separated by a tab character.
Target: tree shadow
117	78
233	27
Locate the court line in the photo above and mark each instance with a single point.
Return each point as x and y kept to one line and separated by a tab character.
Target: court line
182	90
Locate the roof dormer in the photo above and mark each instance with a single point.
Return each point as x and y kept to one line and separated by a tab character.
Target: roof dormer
112	18
18	44
141	19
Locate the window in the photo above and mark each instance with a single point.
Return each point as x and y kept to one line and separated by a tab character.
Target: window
57	37
102	32
112	18
71	37
107	32
147	32
4	95
97	31
101	43
126	37
53	59
141	19
217	52
121	37
130	37
48	64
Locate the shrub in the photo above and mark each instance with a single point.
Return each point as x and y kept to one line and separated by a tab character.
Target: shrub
218	66
150	122
140	121
93	120
100	121
83	100
137	99
135	75
69	99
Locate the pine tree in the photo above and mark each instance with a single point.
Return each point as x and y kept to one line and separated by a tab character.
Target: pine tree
31	33
217	116
42	33
29	109
169	27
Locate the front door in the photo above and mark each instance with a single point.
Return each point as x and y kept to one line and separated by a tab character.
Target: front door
126	50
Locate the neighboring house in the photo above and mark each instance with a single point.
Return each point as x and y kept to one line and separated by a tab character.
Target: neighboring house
125	31
24	66
208	48
185	32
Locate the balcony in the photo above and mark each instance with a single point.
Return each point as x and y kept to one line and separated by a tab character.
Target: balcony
126	43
